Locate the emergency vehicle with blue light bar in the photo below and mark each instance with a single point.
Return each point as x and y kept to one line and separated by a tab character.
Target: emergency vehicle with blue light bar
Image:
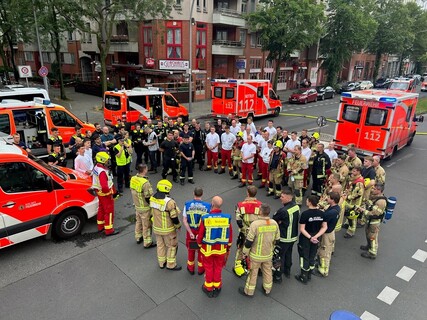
377	122
244	98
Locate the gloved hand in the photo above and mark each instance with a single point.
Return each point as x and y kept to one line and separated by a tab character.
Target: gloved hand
240	240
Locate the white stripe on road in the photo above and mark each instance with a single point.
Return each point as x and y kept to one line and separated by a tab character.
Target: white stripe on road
331	110
368	316
420	255
388	295
406	273
315	128
391	164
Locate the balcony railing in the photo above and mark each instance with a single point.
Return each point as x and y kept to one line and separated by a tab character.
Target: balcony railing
227	43
228	12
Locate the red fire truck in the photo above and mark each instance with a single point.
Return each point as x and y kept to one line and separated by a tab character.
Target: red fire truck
244	98
378	122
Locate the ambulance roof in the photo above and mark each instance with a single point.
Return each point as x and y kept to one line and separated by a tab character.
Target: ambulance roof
138	91
15	104
10	149
380	95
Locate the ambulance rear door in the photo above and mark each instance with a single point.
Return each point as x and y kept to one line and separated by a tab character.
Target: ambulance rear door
374	128
348	124
137	104
112	108
224	99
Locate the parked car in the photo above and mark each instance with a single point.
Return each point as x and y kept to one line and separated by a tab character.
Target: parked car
382	83
366	84
424	85
303	96
351	86
325	92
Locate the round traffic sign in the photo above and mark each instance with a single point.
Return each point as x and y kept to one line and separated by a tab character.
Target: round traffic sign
43	72
321	121
25	70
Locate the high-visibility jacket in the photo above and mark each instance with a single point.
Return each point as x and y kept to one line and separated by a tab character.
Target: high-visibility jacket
163	211
288	217
263	234
215	233
195	210
248	211
96	184
122	160
141	189
128	154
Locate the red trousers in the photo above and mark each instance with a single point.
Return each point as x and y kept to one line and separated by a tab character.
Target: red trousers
264	170
192	255
306	180
213	271
247	170
105	216
226	157
212	158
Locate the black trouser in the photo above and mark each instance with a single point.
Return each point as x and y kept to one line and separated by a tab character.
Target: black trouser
138	151
123	173
286	256
169	163
113	164
199	154
146	154
153	160
185	164
318	184
158	157
307	251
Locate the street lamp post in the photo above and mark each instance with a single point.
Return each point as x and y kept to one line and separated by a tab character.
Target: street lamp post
38	44
190	71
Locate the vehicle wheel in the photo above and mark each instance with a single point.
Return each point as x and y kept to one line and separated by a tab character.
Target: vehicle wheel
305	101
391	155
323	97
276	112
411	139
68	224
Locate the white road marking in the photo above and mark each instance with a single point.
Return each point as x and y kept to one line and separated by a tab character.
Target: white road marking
331	110
406	273
391	164
388	295
315	128
368	316
409	155
420	255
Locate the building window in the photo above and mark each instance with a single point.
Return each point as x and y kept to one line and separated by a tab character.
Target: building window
147	41
258	40
198	6
268	64
244	7
243	37
255	63
221	35
45	56
201	46
122	28
67	58
223	4
205	7
253	40
173	40
87	37
70	36
252	6
29	56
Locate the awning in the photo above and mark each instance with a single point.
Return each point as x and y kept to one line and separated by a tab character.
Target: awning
161	73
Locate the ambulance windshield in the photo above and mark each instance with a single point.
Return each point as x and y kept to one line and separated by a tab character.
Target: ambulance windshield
54	170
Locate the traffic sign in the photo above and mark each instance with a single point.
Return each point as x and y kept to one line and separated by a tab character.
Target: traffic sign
25	72
43	71
321	121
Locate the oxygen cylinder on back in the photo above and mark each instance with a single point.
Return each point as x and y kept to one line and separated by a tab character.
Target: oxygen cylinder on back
391	203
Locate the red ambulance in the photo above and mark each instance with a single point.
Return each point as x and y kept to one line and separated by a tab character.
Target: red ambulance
378	122
244	98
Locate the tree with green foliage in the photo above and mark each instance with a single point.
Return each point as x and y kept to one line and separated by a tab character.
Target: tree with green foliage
98	17
394	31
285	26
349	29
419	43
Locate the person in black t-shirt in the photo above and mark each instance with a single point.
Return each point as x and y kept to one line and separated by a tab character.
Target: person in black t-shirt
327	241
312	226
169	147
187	155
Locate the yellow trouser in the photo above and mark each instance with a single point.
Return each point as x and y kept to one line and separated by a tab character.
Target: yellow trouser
372	231
167	246
325	252
267	276
143	226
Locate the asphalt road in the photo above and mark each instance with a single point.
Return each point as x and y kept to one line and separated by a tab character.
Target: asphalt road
93	277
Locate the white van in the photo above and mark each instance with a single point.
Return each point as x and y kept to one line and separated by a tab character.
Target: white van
23	94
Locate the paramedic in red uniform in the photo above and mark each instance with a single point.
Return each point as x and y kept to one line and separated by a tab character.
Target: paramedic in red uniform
214	240
102	182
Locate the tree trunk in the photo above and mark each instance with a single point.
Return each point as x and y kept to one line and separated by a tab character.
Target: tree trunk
400	64
12	57
377	63
276	74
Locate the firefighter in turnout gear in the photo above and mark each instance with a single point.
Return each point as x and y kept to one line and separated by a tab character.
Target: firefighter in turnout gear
353	198
261	239
142	191
287	218
193	212
374	210
296	165
102	183
321	164
214	239
165	225
341	168
247	211
236	156
275	168
352	159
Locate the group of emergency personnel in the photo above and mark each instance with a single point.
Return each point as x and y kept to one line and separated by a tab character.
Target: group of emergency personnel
345	193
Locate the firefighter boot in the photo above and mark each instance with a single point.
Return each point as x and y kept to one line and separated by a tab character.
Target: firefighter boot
302	277
238	268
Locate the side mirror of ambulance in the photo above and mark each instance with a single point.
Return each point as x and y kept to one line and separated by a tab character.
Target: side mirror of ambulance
49	184
278	97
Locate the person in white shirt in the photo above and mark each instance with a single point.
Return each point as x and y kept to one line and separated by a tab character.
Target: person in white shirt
260	141
212	143
247	131
227	141
271	129
88	150
306	152
330	151
265	157
234	127
248	154
82	163
153	146
250	123
290	144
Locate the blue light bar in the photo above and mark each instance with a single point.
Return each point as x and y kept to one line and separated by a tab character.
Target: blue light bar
387	99
346	94
232	81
